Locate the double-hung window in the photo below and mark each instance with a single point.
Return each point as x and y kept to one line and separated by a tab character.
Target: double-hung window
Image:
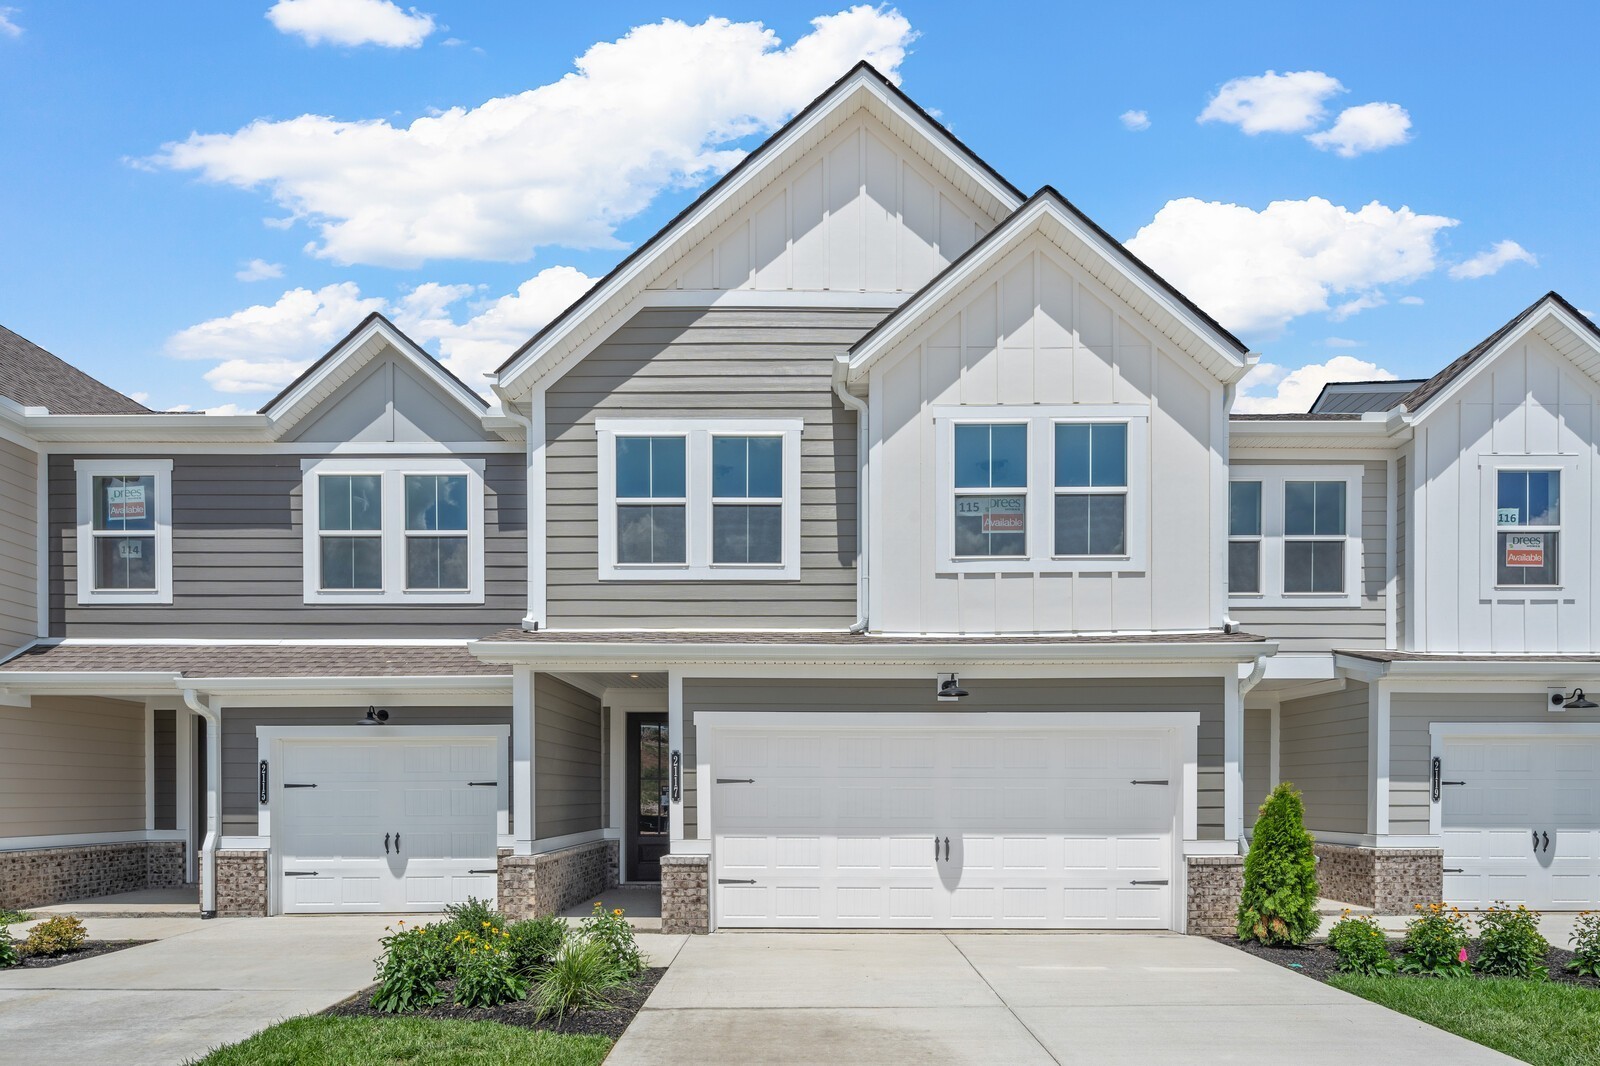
1527	528
1294	536
1042	488
393	531
699	499
124	530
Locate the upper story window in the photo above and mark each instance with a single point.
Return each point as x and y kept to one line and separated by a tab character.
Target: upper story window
1294	536
707	500
1527	527
393	531
1042	488
124	530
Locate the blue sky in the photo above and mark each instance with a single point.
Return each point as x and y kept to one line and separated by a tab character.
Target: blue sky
131	258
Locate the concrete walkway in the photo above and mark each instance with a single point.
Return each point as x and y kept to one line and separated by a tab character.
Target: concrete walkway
1014	999
203	983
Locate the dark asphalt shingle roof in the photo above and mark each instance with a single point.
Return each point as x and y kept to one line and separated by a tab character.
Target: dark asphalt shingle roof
842	638
257	660
33	377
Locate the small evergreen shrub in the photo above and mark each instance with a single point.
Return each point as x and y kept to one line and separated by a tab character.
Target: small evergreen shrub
55	936
1362	946
579	977
469	917
533	943
1586	945
611	929
1436	942
413	963
1279	903
1510	944
484	973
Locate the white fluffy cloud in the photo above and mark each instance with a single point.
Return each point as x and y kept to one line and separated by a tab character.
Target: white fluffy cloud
1273	389
1410	301
264	347
351	22
8	23
1503	254
1135	120
1367	128
1256	270
259	270
1342	342
562	164
1273	102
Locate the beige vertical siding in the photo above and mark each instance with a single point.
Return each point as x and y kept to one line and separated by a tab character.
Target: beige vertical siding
71	764
1322	751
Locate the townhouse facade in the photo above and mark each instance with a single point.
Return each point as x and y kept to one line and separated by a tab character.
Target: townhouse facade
872	548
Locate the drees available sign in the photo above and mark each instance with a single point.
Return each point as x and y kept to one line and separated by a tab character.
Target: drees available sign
999	514
1524	549
125	502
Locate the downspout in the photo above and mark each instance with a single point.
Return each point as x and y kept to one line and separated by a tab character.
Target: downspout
509	409
1253	678
208	848
859	406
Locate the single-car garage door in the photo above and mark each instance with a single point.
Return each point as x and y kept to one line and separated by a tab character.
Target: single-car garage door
943	827
1521	821
386	825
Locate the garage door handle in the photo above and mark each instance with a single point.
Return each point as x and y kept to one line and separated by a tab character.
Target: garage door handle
1452	782
1163	781
397	843
287	784
1161	882
386	843
735	881
300	873
483	871
736	780
946	849
1453	870
483	784
1547	841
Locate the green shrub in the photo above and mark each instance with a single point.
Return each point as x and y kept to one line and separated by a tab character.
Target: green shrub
1436	942
12	917
1586	945
1362	946
55	936
1509	943
1279	903
484	973
413	963
469	917
610	928
9	956
533	943
579	976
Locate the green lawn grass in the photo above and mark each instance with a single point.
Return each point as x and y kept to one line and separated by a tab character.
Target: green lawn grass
1541	1023
391	1041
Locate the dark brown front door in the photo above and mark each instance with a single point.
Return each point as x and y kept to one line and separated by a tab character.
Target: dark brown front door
648	831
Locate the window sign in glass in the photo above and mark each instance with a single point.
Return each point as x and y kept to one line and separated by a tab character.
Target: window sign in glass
125	532
1528	527
992	524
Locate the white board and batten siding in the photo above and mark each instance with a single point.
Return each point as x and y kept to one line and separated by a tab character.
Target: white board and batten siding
1529	404
1034	328
858	213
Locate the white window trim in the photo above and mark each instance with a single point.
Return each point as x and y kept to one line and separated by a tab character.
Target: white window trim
161	470
1041	420
1273	479
1489	467
698	503
392	470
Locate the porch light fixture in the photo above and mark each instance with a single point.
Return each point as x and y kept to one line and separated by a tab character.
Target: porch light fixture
374	716
1576	702
950	688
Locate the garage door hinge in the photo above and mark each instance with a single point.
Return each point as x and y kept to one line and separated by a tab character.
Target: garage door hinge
1163	781
735	881
1163	881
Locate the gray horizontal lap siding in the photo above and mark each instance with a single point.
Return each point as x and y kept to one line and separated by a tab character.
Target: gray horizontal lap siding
19	537
916	696
236	559
696	363
1326	628
1322	751
1257	761
567	759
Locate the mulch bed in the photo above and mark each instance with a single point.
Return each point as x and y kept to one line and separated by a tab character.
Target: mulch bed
1318	961
625	1003
90	949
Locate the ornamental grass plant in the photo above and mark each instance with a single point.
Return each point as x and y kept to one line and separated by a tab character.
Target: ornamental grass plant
1278	906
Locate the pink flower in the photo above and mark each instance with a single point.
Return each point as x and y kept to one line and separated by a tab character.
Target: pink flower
1462	955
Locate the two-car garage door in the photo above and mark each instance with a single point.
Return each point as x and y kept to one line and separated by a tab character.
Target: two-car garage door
938	827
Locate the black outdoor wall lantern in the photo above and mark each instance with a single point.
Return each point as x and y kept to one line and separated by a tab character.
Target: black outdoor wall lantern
1575	702
374	716
950	688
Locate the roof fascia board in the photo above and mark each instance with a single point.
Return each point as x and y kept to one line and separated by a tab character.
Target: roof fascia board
912	316
1469	669
531	364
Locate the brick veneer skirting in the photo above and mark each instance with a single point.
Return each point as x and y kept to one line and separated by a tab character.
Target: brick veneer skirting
1215	883
42	876
241	884
531	886
1389	880
685	894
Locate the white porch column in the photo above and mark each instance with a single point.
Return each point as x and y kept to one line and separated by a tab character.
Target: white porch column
522	759
1232	758
1378	758
675	746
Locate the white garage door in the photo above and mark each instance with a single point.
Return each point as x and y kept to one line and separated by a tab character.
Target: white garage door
943	828
390	825
1524	824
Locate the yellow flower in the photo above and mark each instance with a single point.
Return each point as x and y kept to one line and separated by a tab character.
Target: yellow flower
618	912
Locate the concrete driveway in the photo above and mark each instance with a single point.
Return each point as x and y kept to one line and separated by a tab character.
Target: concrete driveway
202	984
1013	998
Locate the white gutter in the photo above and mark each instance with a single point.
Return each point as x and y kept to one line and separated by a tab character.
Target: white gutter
859	406
534	490
208	849
1251	680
